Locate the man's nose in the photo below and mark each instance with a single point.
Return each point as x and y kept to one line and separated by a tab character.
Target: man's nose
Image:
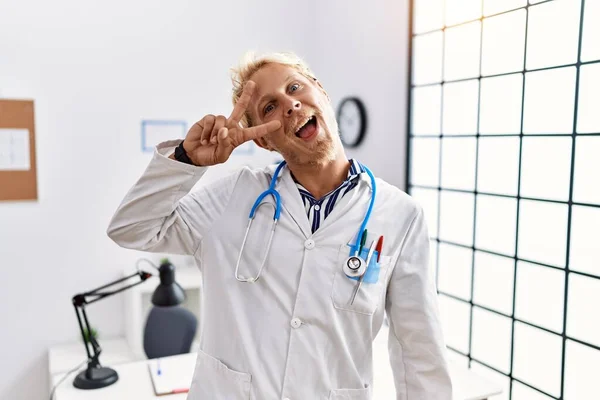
294	105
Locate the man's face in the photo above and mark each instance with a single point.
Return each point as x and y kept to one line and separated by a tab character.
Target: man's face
309	132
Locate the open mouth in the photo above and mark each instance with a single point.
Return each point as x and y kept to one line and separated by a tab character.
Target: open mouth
308	129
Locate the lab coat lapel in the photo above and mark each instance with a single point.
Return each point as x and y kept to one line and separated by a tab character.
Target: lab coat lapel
292	202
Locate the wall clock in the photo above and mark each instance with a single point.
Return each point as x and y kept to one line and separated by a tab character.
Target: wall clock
352	121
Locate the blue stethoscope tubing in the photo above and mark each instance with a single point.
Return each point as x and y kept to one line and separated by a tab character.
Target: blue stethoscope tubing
277	212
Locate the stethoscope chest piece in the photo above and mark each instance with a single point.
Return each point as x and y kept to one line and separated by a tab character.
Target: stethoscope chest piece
354	267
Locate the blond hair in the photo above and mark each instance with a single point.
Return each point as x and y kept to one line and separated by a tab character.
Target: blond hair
250	63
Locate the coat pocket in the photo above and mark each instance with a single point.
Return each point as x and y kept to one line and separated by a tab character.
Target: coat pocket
369	295
214	380
351	394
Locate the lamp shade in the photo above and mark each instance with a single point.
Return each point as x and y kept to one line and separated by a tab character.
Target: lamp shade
168	293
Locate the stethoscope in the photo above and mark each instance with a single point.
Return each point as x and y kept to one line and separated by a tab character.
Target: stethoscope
355	266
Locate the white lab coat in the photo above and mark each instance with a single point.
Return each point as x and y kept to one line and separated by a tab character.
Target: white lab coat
292	334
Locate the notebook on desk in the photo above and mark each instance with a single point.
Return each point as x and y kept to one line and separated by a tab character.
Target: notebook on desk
172	375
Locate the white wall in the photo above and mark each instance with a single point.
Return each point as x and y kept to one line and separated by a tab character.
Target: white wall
95	70
363	51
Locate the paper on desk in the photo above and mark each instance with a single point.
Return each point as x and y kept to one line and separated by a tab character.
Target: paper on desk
176	374
14	149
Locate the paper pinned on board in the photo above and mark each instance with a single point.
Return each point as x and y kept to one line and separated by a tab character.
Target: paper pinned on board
14	149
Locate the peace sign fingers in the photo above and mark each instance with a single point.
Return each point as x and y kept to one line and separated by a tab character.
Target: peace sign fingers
258	131
242	104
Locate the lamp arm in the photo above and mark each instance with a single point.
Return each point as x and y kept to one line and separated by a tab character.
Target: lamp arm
81	327
81	300
101	295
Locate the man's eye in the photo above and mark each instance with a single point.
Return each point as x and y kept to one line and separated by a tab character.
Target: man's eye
268	108
294	87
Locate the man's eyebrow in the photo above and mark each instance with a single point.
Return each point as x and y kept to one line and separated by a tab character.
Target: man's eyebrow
267	97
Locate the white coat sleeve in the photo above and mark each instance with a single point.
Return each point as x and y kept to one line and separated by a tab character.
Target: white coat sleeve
160	214
416	345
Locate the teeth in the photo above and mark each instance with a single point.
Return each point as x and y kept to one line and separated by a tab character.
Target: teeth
304	123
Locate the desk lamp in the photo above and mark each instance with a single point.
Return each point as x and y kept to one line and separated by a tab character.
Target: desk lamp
168	293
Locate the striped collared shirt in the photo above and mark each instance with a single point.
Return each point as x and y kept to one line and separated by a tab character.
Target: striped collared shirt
318	210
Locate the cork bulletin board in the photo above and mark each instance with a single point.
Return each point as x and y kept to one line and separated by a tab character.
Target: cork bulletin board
18	177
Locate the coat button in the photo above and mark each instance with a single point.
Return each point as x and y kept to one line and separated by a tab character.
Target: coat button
309	244
296	323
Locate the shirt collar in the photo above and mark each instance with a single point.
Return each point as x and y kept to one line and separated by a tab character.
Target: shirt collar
355	169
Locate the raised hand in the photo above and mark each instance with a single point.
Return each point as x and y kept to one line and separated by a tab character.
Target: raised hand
211	140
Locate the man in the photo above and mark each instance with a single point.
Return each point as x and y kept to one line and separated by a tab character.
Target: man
286	319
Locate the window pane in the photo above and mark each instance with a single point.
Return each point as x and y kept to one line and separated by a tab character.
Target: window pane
493	282
427	110
553	33
428	15
522	392
462	51
425	161
587	164
496	6
455	270
581	371
458	163
543	232
588	117
428	199
590	47
540	295
503	43
458	11
455	316
460	108
582	314
546	167
501	99
537	359
458	359
427	58
499	380
496	224
456	217
549	101
584	240
498	165
491	339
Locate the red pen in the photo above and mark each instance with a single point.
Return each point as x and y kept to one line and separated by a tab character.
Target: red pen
379	246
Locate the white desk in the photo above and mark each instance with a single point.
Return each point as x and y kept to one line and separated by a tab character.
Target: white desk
134	379
134	383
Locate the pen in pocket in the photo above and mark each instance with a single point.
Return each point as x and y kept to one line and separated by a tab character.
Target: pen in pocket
379	246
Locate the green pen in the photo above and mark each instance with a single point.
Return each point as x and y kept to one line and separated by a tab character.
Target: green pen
363	240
